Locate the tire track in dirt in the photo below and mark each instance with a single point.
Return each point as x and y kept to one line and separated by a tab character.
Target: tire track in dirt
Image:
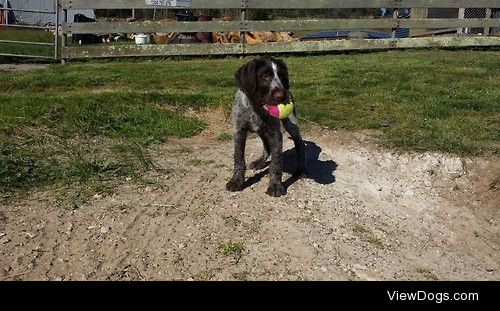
162	212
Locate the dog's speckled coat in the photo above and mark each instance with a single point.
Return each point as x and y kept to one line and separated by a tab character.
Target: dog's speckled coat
263	81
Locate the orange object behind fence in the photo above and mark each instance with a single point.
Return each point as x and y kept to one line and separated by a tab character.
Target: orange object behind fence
3	19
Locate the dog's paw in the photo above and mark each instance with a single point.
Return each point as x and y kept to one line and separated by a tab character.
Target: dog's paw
276	190
234	185
257	164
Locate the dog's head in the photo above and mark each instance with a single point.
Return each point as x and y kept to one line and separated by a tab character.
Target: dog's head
264	80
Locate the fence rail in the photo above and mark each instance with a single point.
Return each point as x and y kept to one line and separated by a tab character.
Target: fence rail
32	11
278	25
27	42
141	4
420	20
29	26
26	56
284	4
234	49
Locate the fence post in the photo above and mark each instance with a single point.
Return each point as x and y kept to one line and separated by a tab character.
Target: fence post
418	13
5	12
56	30
395	19
488	16
64	37
243	26
461	15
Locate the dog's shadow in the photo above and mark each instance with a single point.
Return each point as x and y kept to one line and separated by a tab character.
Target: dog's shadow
317	170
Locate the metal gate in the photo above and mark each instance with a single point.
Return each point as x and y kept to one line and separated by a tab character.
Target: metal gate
29	40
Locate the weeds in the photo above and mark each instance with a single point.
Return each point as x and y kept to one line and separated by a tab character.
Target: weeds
232	249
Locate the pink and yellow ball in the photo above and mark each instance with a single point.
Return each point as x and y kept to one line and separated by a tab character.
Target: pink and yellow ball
281	111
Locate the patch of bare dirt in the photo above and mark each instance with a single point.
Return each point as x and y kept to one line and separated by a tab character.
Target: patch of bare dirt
22	67
366	213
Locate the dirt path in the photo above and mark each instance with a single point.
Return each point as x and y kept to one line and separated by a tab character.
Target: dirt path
366	213
22	67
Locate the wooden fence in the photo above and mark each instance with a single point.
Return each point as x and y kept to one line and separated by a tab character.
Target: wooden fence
419	21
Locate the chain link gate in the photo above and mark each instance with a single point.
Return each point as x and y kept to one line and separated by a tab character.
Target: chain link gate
32	39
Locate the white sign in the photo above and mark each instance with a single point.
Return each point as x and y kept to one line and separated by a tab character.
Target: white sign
171	3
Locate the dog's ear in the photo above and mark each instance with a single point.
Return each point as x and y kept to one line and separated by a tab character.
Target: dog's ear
283	73
246	77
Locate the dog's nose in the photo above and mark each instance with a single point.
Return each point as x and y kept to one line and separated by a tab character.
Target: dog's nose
278	95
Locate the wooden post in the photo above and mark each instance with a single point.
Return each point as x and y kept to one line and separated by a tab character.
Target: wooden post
461	15
243	17
6	12
56	31
395	19
415	14
488	16
64	37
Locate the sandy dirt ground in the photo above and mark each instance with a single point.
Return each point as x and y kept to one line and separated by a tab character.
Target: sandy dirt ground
365	213
22	67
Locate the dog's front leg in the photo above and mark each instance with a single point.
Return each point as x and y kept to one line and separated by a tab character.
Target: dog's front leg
292	127
260	163
238	179
276	188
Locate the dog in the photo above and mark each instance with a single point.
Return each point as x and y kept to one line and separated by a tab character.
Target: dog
260	82
85	38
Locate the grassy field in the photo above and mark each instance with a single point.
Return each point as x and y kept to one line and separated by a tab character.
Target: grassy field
87	123
26	35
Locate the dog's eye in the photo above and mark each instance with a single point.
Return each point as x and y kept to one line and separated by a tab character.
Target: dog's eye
266	77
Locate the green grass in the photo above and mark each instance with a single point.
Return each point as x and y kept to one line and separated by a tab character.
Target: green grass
231	249
421	100
198	162
114	114
225	136
357	228
206	275
427	274
34	35
95	120
26	35
241	276
367	236
182	150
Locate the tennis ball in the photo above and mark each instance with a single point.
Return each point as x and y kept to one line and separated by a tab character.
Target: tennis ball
282	111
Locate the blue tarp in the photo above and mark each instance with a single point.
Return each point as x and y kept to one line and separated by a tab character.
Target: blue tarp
371	34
